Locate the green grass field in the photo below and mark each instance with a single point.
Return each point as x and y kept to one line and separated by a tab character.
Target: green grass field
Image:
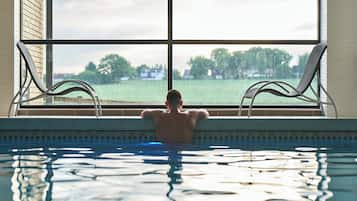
226	92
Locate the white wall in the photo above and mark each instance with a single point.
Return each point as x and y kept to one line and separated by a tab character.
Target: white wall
342	55
6	53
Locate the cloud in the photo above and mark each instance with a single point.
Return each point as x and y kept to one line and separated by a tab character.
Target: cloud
193	19
73	59
110	19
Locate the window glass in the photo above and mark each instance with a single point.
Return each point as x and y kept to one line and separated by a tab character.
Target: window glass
120	74
124	74
221	74
246	20
110	19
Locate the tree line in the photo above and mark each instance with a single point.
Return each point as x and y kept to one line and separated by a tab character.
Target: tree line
222	64
113	68
255	62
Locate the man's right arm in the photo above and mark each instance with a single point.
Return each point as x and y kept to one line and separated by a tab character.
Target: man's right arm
199	114
150	114
203	114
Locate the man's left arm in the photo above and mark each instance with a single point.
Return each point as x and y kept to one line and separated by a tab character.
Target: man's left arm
199	114
150	114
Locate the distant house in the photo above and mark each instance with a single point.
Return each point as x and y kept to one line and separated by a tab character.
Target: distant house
187	74
269	72
156	73
124	78
253	74
217	75
144	73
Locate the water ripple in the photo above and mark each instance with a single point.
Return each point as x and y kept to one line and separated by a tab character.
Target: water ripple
156	172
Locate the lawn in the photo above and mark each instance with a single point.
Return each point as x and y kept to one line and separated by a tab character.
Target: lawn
193	91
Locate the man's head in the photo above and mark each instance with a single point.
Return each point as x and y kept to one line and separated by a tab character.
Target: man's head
174	100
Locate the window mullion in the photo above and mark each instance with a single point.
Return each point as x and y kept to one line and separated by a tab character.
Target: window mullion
170	51
49	47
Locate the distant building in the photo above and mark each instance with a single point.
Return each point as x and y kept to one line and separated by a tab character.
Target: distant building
269	72
155	73
187	74
252	74
217	75
124	78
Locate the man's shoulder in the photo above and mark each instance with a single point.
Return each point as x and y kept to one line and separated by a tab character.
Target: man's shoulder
199	113
151	113
195	111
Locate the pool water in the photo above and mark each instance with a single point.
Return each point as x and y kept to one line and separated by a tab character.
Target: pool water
152	171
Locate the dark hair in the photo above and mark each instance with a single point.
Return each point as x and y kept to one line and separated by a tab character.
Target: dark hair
173	97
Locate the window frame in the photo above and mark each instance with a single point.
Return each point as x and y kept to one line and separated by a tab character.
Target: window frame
170	42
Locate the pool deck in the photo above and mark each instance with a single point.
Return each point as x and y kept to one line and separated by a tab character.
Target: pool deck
213	124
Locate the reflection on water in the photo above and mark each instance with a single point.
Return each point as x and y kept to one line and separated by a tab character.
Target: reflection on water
155	172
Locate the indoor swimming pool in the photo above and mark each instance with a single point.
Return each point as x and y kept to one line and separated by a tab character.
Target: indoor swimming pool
79	168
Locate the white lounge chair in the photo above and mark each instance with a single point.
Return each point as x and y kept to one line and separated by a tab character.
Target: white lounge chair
54	90
285	89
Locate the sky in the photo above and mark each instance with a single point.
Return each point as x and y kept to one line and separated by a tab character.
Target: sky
192	19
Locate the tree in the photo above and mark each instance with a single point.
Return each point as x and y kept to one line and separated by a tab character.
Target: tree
200	66
281	67
258	59
91	67
301	65
115	67
236	64
176	75
89	76
221	58
264	60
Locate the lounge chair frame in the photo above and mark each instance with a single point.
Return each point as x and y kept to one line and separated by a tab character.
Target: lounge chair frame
44	91
285	89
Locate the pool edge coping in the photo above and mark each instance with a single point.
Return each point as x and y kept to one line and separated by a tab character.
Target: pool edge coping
211	124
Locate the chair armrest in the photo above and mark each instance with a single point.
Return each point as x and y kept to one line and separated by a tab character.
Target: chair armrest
79	82
267	83
253	85
280	85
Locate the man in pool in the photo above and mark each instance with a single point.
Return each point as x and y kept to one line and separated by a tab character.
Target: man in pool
174	126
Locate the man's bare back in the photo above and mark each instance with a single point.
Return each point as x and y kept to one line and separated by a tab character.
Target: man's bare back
175	127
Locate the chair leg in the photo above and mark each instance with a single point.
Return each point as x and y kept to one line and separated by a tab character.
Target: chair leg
95	107
22	101
12	104
23	89
16	109
251	105
331	101
241	106
99	106
19	95
95	99
95	104
334	107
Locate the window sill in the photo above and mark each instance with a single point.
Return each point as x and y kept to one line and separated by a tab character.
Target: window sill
136	112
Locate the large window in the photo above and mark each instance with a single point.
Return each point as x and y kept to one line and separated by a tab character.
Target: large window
133	51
